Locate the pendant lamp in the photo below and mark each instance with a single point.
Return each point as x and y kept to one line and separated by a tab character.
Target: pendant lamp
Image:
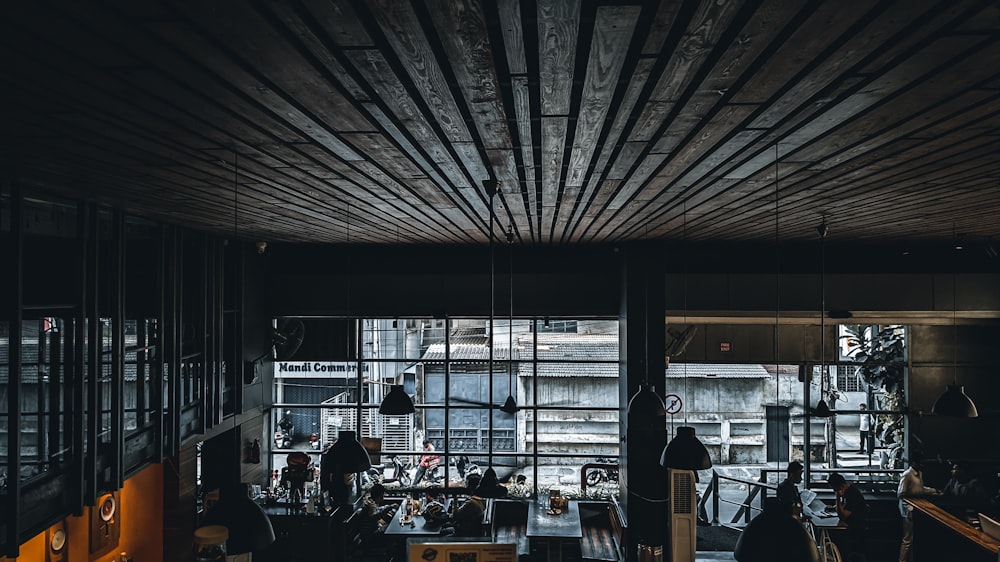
822	409
249	528
510	405
396	403
775	535
955	402
348	454
685	451
645	403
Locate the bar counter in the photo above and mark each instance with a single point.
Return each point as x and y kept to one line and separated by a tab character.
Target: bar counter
940	532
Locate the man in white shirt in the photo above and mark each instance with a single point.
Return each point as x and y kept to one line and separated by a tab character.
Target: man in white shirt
865	427
911	485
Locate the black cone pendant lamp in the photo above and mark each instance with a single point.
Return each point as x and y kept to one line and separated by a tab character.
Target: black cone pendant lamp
348	453
645	403
396	403
955	402
822	409
685	451
510	405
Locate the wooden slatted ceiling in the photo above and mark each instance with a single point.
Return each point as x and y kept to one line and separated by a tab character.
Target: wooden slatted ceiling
378	121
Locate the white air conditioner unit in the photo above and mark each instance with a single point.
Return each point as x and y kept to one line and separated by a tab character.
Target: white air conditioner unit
683	515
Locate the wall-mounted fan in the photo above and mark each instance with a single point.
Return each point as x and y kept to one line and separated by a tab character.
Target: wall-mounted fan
508	407
677	341
287	338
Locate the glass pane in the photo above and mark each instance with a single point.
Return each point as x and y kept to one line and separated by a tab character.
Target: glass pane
45	353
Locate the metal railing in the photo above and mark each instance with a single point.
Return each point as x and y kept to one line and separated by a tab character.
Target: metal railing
876	480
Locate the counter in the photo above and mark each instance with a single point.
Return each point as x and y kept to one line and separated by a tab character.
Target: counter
942	532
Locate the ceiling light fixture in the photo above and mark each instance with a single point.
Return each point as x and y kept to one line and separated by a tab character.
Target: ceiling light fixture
685	451
510	405
490	185
822	409
249	528
397	402
955	402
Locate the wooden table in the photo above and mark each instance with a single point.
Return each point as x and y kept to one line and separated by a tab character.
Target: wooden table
554	529
939	534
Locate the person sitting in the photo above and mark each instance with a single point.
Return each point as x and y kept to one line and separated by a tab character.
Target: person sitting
853	511
965	487
374	516
429	461
489	485
468	518
788	490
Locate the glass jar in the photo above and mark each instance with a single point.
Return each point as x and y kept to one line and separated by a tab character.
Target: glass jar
210	543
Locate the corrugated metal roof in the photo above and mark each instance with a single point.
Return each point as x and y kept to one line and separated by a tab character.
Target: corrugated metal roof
551	347
569	370
724	371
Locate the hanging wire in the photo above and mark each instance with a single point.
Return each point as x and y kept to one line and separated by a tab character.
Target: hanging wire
510	319
492	188
777	284
684	237
236	196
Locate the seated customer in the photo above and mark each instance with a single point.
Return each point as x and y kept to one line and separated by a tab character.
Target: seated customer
853	511
374	516
468	518
788	490
964	486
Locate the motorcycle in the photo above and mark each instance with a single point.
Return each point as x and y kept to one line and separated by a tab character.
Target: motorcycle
314	439
400	474
467	468
598	475
282	440
283	435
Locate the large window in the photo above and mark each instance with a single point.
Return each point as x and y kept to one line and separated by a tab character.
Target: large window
561	374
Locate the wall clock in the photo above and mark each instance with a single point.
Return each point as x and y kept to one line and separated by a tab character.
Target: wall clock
56	537
105	523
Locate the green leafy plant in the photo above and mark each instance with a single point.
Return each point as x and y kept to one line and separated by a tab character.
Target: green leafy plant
881	356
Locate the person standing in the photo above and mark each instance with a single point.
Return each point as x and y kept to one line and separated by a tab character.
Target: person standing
853	511
788	490
911	485
864	429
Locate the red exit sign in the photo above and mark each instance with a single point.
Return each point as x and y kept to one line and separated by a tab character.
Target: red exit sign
725	346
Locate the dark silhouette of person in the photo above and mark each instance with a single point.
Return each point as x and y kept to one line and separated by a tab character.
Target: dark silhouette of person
788	490
853	511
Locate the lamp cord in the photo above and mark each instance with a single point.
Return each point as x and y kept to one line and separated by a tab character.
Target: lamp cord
510	319
822	311
684	235
489	441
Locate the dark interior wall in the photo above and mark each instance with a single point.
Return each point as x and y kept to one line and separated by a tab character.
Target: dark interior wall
941	355
440	281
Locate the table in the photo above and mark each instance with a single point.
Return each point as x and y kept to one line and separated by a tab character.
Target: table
420	527
823	526
941	532
554	529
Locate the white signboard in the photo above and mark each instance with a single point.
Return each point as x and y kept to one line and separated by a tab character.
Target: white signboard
316	369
